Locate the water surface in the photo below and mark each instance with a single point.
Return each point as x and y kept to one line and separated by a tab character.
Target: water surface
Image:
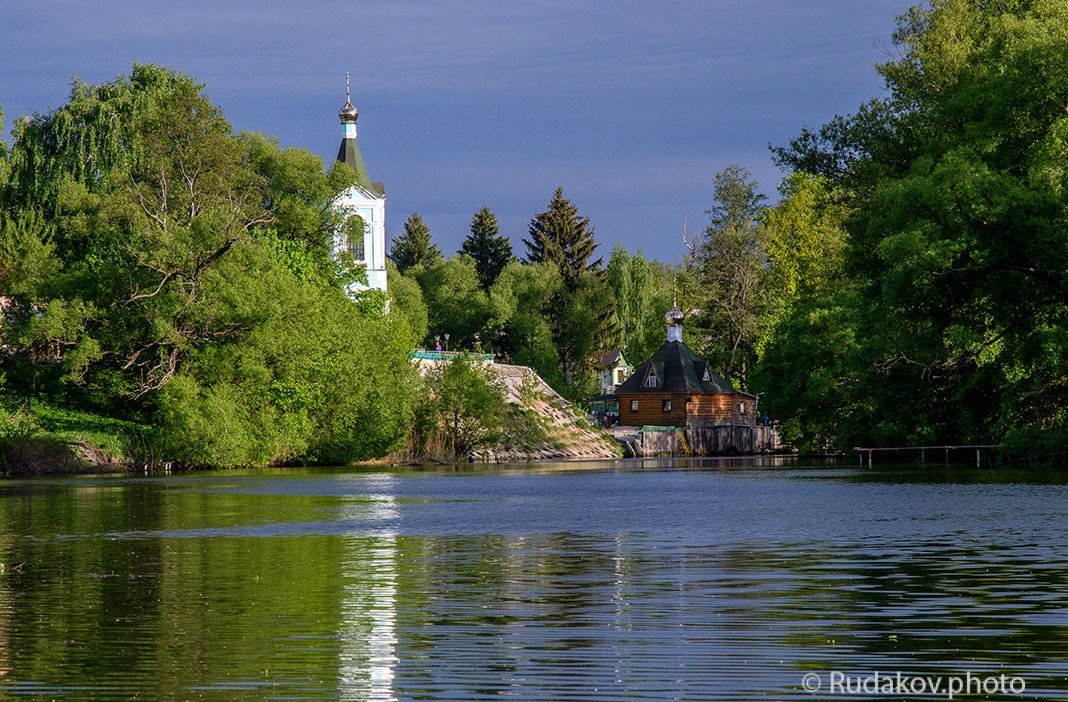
698	580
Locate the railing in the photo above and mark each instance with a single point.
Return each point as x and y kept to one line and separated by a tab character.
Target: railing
923	451
424	355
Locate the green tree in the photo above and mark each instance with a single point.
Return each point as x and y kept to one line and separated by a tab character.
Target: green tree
490	251
729	272
185	278
468	405
407	302
955	185
455	302
642	293
413	247
563	237
520	326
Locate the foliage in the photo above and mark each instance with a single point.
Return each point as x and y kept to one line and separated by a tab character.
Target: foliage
455	301
407	302
729	272
162	269
957	236
465	406
490	250
642	291
563	237
520	317
413	247
581	315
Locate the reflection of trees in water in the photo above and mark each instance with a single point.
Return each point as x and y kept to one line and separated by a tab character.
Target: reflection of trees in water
95	591
110	602
940	608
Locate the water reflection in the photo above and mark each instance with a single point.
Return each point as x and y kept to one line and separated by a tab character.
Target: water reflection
368	633
592	585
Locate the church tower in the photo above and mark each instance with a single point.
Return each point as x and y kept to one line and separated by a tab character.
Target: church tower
363	204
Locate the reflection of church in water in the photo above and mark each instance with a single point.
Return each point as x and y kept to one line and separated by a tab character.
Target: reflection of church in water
368	627
363	233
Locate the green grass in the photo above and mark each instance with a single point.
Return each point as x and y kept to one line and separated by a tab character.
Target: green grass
72	426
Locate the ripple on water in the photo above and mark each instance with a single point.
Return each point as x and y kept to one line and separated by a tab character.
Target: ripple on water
596	585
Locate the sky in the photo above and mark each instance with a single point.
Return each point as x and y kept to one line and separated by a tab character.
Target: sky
631	107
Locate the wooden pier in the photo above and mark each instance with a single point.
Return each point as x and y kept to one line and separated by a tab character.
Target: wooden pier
934	451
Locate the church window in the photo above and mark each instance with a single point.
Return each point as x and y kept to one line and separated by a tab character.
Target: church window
633	405
651	380
355	227
667	405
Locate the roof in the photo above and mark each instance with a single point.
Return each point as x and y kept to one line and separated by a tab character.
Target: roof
349	154
610	359
678	369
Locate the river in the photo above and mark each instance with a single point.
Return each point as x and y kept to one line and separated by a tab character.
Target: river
696	580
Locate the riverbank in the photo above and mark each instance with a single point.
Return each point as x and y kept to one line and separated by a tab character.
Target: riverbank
41	438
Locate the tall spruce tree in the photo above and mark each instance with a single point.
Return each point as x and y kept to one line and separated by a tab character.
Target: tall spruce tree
582	314
413	247
563	237
491	251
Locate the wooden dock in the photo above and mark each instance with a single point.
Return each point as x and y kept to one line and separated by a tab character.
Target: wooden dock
935	452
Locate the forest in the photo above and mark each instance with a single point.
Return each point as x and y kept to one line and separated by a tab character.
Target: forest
167	285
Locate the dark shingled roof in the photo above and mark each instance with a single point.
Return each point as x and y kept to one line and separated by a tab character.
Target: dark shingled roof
349	154
609	359
679	370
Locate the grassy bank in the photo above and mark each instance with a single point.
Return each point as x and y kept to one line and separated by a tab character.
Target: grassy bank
39	438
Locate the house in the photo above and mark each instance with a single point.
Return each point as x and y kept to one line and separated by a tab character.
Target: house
363	205
614	370
675	387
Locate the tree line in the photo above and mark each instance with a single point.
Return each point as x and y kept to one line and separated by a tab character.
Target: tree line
908	286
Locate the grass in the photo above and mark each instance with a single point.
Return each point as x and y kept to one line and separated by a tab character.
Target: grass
72	426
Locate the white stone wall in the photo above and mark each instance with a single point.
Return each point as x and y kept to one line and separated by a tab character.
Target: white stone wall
357	201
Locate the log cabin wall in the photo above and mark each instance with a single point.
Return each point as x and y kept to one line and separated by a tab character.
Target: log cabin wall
723	408
651	411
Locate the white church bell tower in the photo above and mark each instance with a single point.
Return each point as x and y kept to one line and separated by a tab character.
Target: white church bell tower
363	231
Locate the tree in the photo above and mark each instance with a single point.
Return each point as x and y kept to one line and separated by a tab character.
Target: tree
642	292
490	251
407	302
413	247
563	237
729	272
455	302
956	191
521	312
163	269
467	405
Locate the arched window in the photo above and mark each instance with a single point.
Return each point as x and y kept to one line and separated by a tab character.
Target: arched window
355	228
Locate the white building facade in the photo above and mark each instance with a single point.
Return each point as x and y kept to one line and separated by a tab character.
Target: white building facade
363	203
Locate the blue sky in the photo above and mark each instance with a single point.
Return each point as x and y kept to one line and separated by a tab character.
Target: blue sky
631	107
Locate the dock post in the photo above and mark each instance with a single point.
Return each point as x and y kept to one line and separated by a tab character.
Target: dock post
923	456
870	452
977	457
